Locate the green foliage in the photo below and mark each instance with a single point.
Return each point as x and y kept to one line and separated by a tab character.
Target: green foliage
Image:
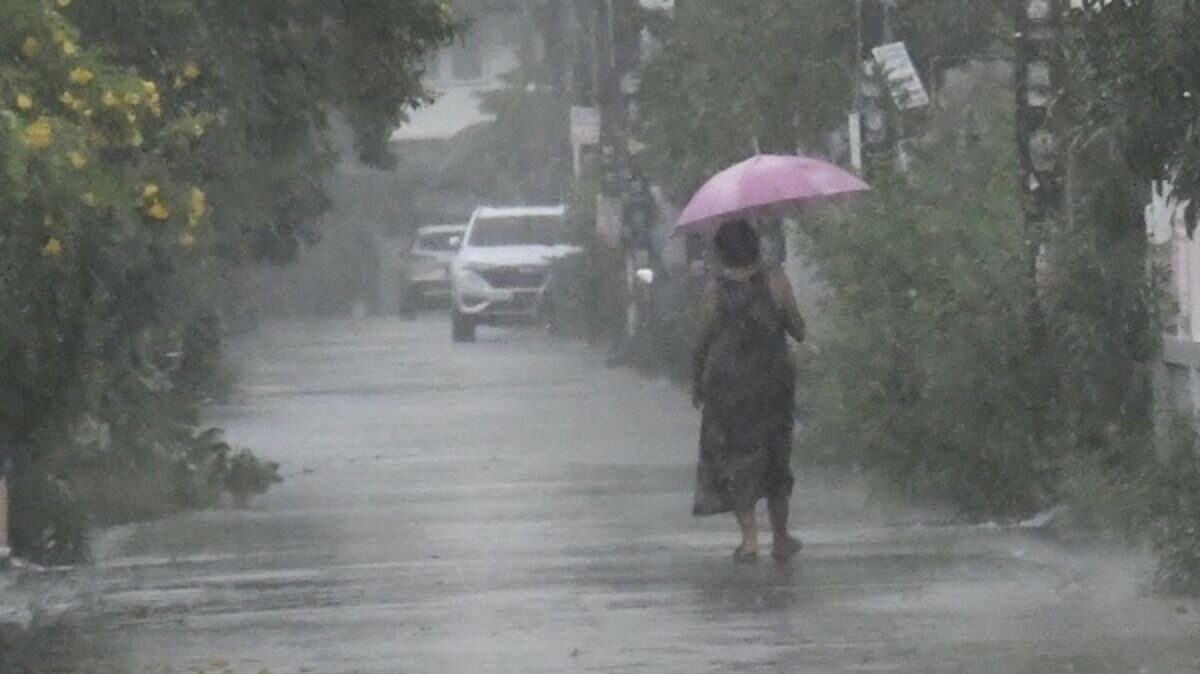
1175	508
921	374
735	73
245	477
273	72
520	156
944	34
143	155
1136	67
1102	308
1135	77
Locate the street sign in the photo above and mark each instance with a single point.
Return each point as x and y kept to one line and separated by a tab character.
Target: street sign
854	126
585	130
585	125
905	84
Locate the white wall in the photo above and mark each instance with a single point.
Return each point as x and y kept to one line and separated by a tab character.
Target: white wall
494	40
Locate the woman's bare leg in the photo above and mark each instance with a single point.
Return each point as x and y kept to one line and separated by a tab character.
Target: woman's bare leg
777	509
784	544
749	525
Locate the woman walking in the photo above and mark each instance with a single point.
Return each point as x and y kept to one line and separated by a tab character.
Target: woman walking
744	380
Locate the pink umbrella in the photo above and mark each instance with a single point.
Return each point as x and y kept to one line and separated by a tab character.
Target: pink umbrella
765	184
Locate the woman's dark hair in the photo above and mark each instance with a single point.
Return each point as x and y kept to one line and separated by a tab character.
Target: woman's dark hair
737	244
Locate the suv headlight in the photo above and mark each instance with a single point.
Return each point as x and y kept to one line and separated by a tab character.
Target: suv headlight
470	282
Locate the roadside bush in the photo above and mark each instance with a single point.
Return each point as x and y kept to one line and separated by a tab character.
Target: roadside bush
667	334
1174	498
921	376
569	295
1149	492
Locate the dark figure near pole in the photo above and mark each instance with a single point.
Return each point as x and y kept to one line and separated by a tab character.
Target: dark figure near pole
744	380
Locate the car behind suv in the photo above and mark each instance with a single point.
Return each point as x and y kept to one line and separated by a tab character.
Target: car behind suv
500	274
427	268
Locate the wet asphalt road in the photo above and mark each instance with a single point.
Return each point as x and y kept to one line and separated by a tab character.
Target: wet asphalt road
514	506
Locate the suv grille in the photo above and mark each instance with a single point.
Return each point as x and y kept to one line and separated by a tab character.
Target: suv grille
515	277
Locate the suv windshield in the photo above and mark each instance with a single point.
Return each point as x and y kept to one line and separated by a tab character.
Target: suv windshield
519	230
437	241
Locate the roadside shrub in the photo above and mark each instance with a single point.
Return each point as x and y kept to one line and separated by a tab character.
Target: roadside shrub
1173	497
569	293
922	373
49	521
667	330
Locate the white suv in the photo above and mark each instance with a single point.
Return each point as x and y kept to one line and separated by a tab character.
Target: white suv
500	273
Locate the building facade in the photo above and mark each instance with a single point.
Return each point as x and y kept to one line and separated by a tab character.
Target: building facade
497	33
1179	252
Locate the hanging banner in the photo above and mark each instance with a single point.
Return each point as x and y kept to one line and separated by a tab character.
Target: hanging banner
905	84
585	125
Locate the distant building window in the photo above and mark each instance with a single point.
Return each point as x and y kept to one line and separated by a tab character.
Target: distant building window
468	61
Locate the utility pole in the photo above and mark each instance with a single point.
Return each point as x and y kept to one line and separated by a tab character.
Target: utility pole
870	128
1038	70
4	551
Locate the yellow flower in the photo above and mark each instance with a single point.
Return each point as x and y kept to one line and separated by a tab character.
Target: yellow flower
197	206
109	99
191	71
158	210
40	134
88	112
186	239
53	248
82	76
89	199
133	98
30	47
149	191
24	101
78	161
67	98
149	87
69	48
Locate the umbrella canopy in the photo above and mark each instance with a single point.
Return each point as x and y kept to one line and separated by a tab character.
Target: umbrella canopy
764	184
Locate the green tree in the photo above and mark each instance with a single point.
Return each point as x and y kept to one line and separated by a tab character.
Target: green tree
274	72
733	76
142	156
1136	69
1135	78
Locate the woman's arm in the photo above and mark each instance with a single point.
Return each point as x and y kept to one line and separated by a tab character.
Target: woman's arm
704	337
781	292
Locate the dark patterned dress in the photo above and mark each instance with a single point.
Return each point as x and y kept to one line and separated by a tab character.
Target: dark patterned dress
746	380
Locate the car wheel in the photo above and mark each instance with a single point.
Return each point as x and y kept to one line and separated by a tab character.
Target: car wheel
462	328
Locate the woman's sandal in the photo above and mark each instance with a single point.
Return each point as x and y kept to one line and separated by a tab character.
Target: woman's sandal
785	550
743	556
